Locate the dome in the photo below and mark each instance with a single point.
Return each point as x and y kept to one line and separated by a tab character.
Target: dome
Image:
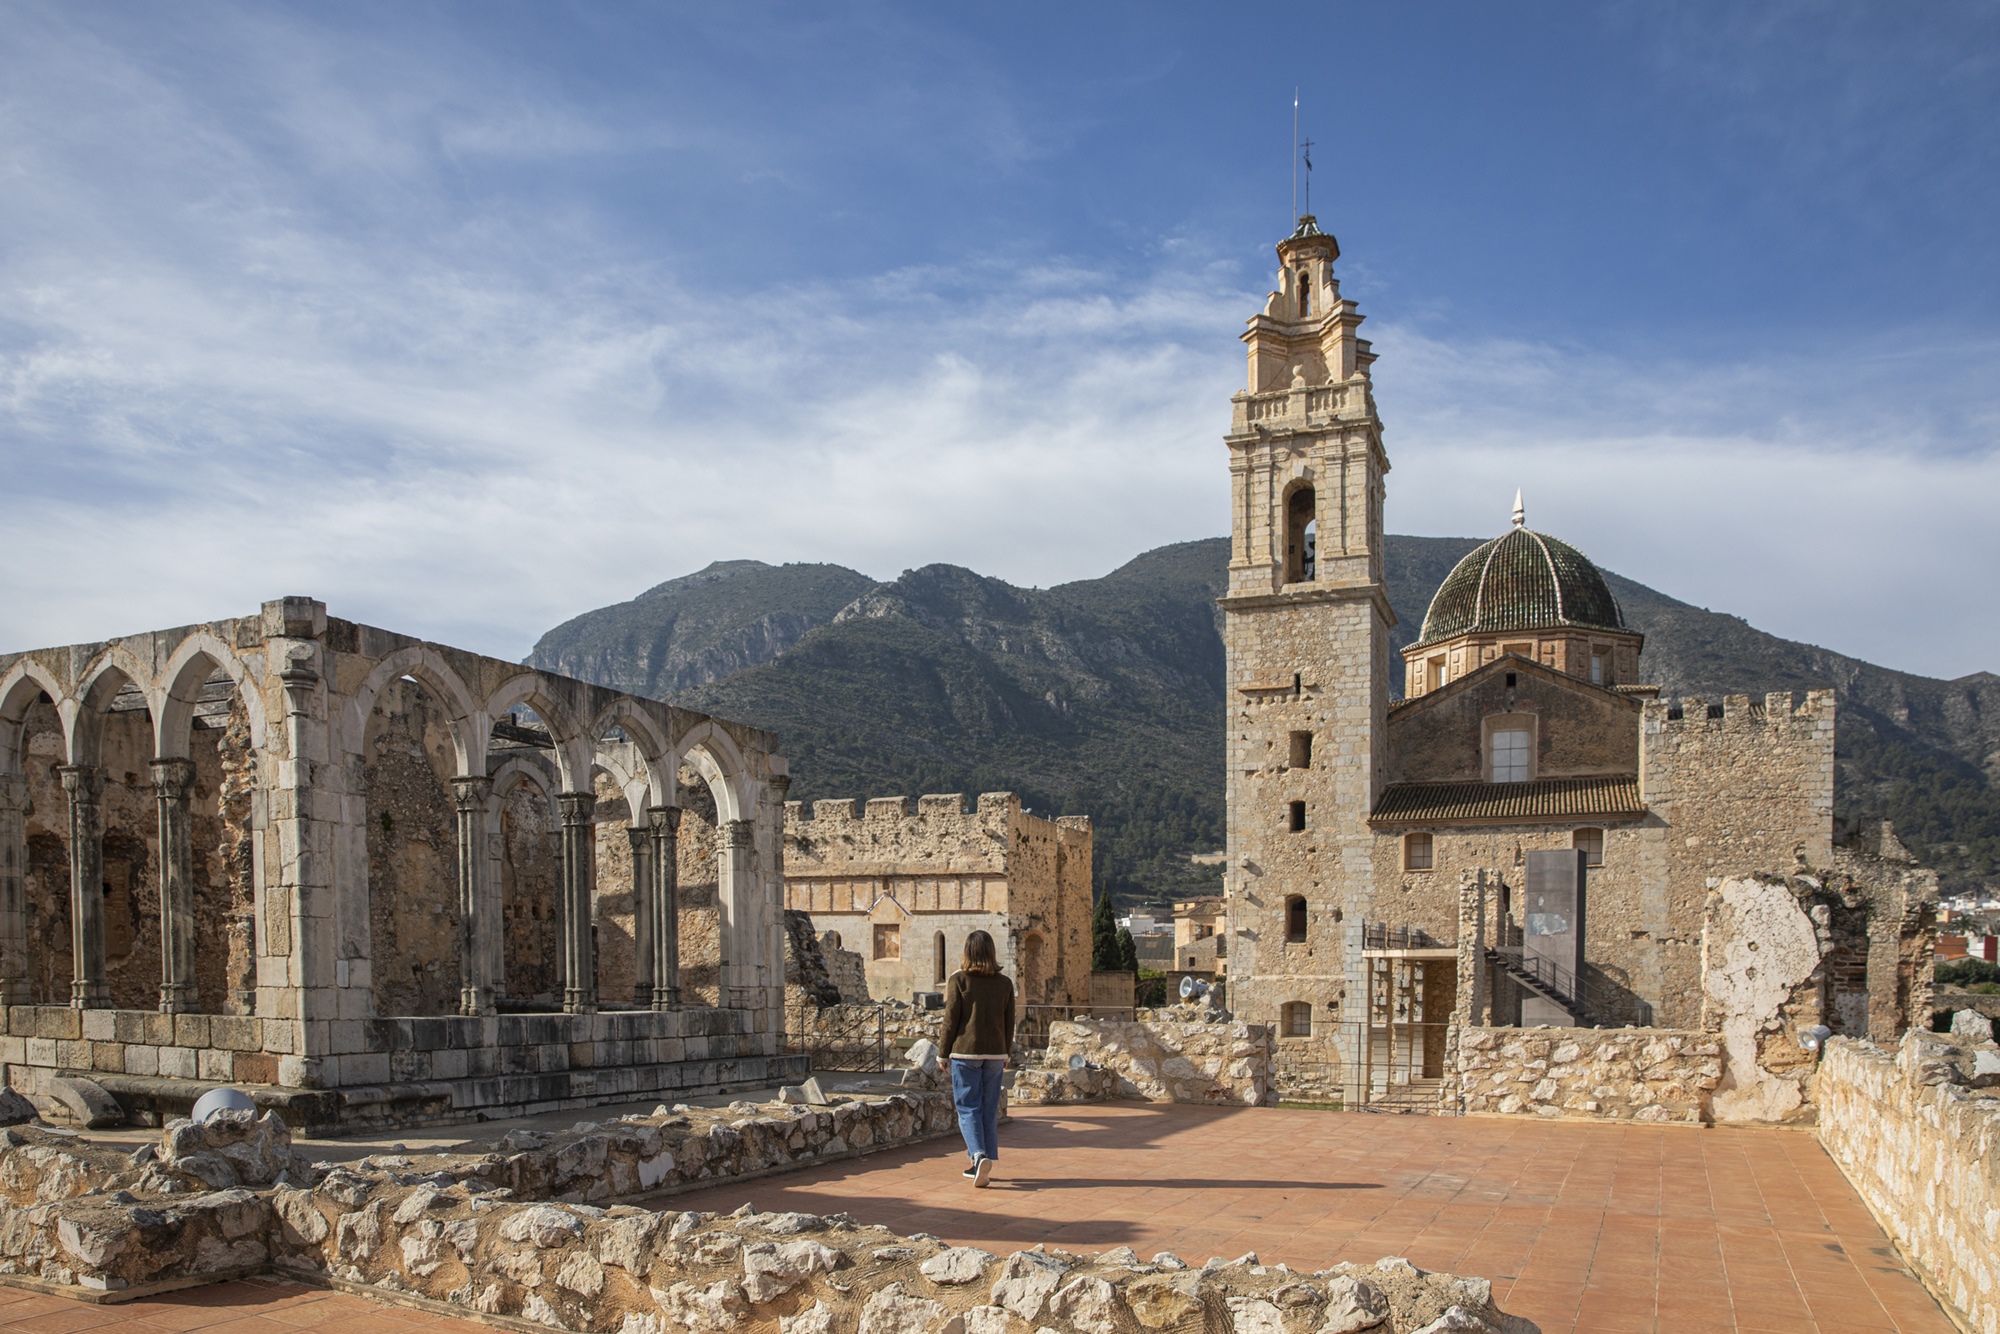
1523	580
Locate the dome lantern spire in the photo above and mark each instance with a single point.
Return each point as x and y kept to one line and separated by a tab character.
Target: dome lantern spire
1520	515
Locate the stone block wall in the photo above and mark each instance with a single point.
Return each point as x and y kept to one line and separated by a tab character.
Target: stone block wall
1924	1151
1609	1074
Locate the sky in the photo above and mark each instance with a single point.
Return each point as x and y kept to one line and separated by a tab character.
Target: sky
469	317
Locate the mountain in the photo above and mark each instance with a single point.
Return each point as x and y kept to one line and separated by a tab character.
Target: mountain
1104	696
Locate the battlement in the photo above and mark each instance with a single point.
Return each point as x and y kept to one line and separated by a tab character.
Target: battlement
1696	712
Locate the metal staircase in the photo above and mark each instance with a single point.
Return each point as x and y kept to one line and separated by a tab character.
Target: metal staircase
1564	989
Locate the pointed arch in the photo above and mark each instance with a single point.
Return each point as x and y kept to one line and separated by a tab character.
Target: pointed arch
107	675
193	663
572	748
21	687
649	736
427	667
714	754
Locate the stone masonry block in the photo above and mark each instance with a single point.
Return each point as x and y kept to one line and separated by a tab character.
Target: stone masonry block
108	1057
58	1022
141	1059
213	1064
236	1032
41	1051
100	1025
191	1030
177	1063
73	1055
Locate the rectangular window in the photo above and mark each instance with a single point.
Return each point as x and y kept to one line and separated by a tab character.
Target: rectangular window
1436	674
1298	817
1597	669
1302	750
888	940
1417	852
1510	757
1298	1017
1592	843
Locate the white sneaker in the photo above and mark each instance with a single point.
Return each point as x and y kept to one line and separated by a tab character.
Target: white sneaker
983	1172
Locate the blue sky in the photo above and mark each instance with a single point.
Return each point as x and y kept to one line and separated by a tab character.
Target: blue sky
467	318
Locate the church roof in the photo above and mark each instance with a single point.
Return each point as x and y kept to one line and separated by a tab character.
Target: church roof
1522	580
1610	797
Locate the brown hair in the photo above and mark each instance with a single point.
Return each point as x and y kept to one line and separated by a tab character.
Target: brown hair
980	956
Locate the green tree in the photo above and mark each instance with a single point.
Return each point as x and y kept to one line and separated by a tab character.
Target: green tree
1128	953
1104	935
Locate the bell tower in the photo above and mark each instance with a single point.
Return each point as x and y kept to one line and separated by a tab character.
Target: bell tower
1306	636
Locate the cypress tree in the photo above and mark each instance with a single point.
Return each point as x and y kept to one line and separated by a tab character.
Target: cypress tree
1104	935
1128	953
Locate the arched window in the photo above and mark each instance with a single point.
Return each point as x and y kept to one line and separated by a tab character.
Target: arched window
1592	843
1305	292
942	963
1417	852
1295	918
1301	537
1295	1019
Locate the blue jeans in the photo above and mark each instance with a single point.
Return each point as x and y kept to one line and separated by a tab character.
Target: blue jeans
975	1089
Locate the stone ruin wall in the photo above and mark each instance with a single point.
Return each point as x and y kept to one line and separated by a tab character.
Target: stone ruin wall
1607	1074
1917	1132
233	1198
222	862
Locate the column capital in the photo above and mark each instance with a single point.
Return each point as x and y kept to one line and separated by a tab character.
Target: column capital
738	833
470	791
577	807
83	782
639	836
781	784
173	776
667	818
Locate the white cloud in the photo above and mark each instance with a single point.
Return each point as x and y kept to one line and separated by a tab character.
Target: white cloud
217	386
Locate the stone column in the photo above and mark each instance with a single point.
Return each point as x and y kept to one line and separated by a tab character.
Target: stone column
579	869
641	838
666	905
88	988
737	973
475	983
13	894
171	780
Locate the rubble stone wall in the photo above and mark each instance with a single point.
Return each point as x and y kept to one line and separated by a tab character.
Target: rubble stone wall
1924	1151
1171	1056
1609	1074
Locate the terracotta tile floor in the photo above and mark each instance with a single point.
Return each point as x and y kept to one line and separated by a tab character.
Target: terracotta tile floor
1594	1229
1589	1228
249	1306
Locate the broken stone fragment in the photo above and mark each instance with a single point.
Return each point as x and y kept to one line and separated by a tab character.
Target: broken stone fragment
1026	1281
893	1311
960	1264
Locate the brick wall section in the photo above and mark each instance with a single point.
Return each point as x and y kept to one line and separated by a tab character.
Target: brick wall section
1925	1155
1606	1074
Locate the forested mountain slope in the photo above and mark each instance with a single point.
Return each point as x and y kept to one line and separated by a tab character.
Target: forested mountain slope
1104	697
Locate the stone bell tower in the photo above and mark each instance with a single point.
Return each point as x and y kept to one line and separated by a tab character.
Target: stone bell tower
1306	634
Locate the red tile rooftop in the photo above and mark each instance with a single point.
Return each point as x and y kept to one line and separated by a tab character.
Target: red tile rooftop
1582	1227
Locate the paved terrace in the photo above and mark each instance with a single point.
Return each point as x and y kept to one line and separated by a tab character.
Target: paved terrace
1596	1229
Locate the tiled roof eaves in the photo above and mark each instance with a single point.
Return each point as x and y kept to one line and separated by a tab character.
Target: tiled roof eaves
1614	797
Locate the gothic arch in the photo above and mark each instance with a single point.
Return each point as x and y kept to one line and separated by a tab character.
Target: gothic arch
25	683
572	748
106	675
421	664
193	663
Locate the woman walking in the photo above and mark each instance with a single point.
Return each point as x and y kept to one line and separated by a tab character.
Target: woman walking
978	1038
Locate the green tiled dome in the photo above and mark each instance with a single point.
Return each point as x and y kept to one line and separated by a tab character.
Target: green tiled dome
1523	580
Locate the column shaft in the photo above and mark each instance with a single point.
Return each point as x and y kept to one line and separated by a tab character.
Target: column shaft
579	847
475	982
171	780
88	988
641	839
666	905
13	891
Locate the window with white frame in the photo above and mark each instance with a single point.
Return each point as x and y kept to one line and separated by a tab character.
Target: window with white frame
1512	749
